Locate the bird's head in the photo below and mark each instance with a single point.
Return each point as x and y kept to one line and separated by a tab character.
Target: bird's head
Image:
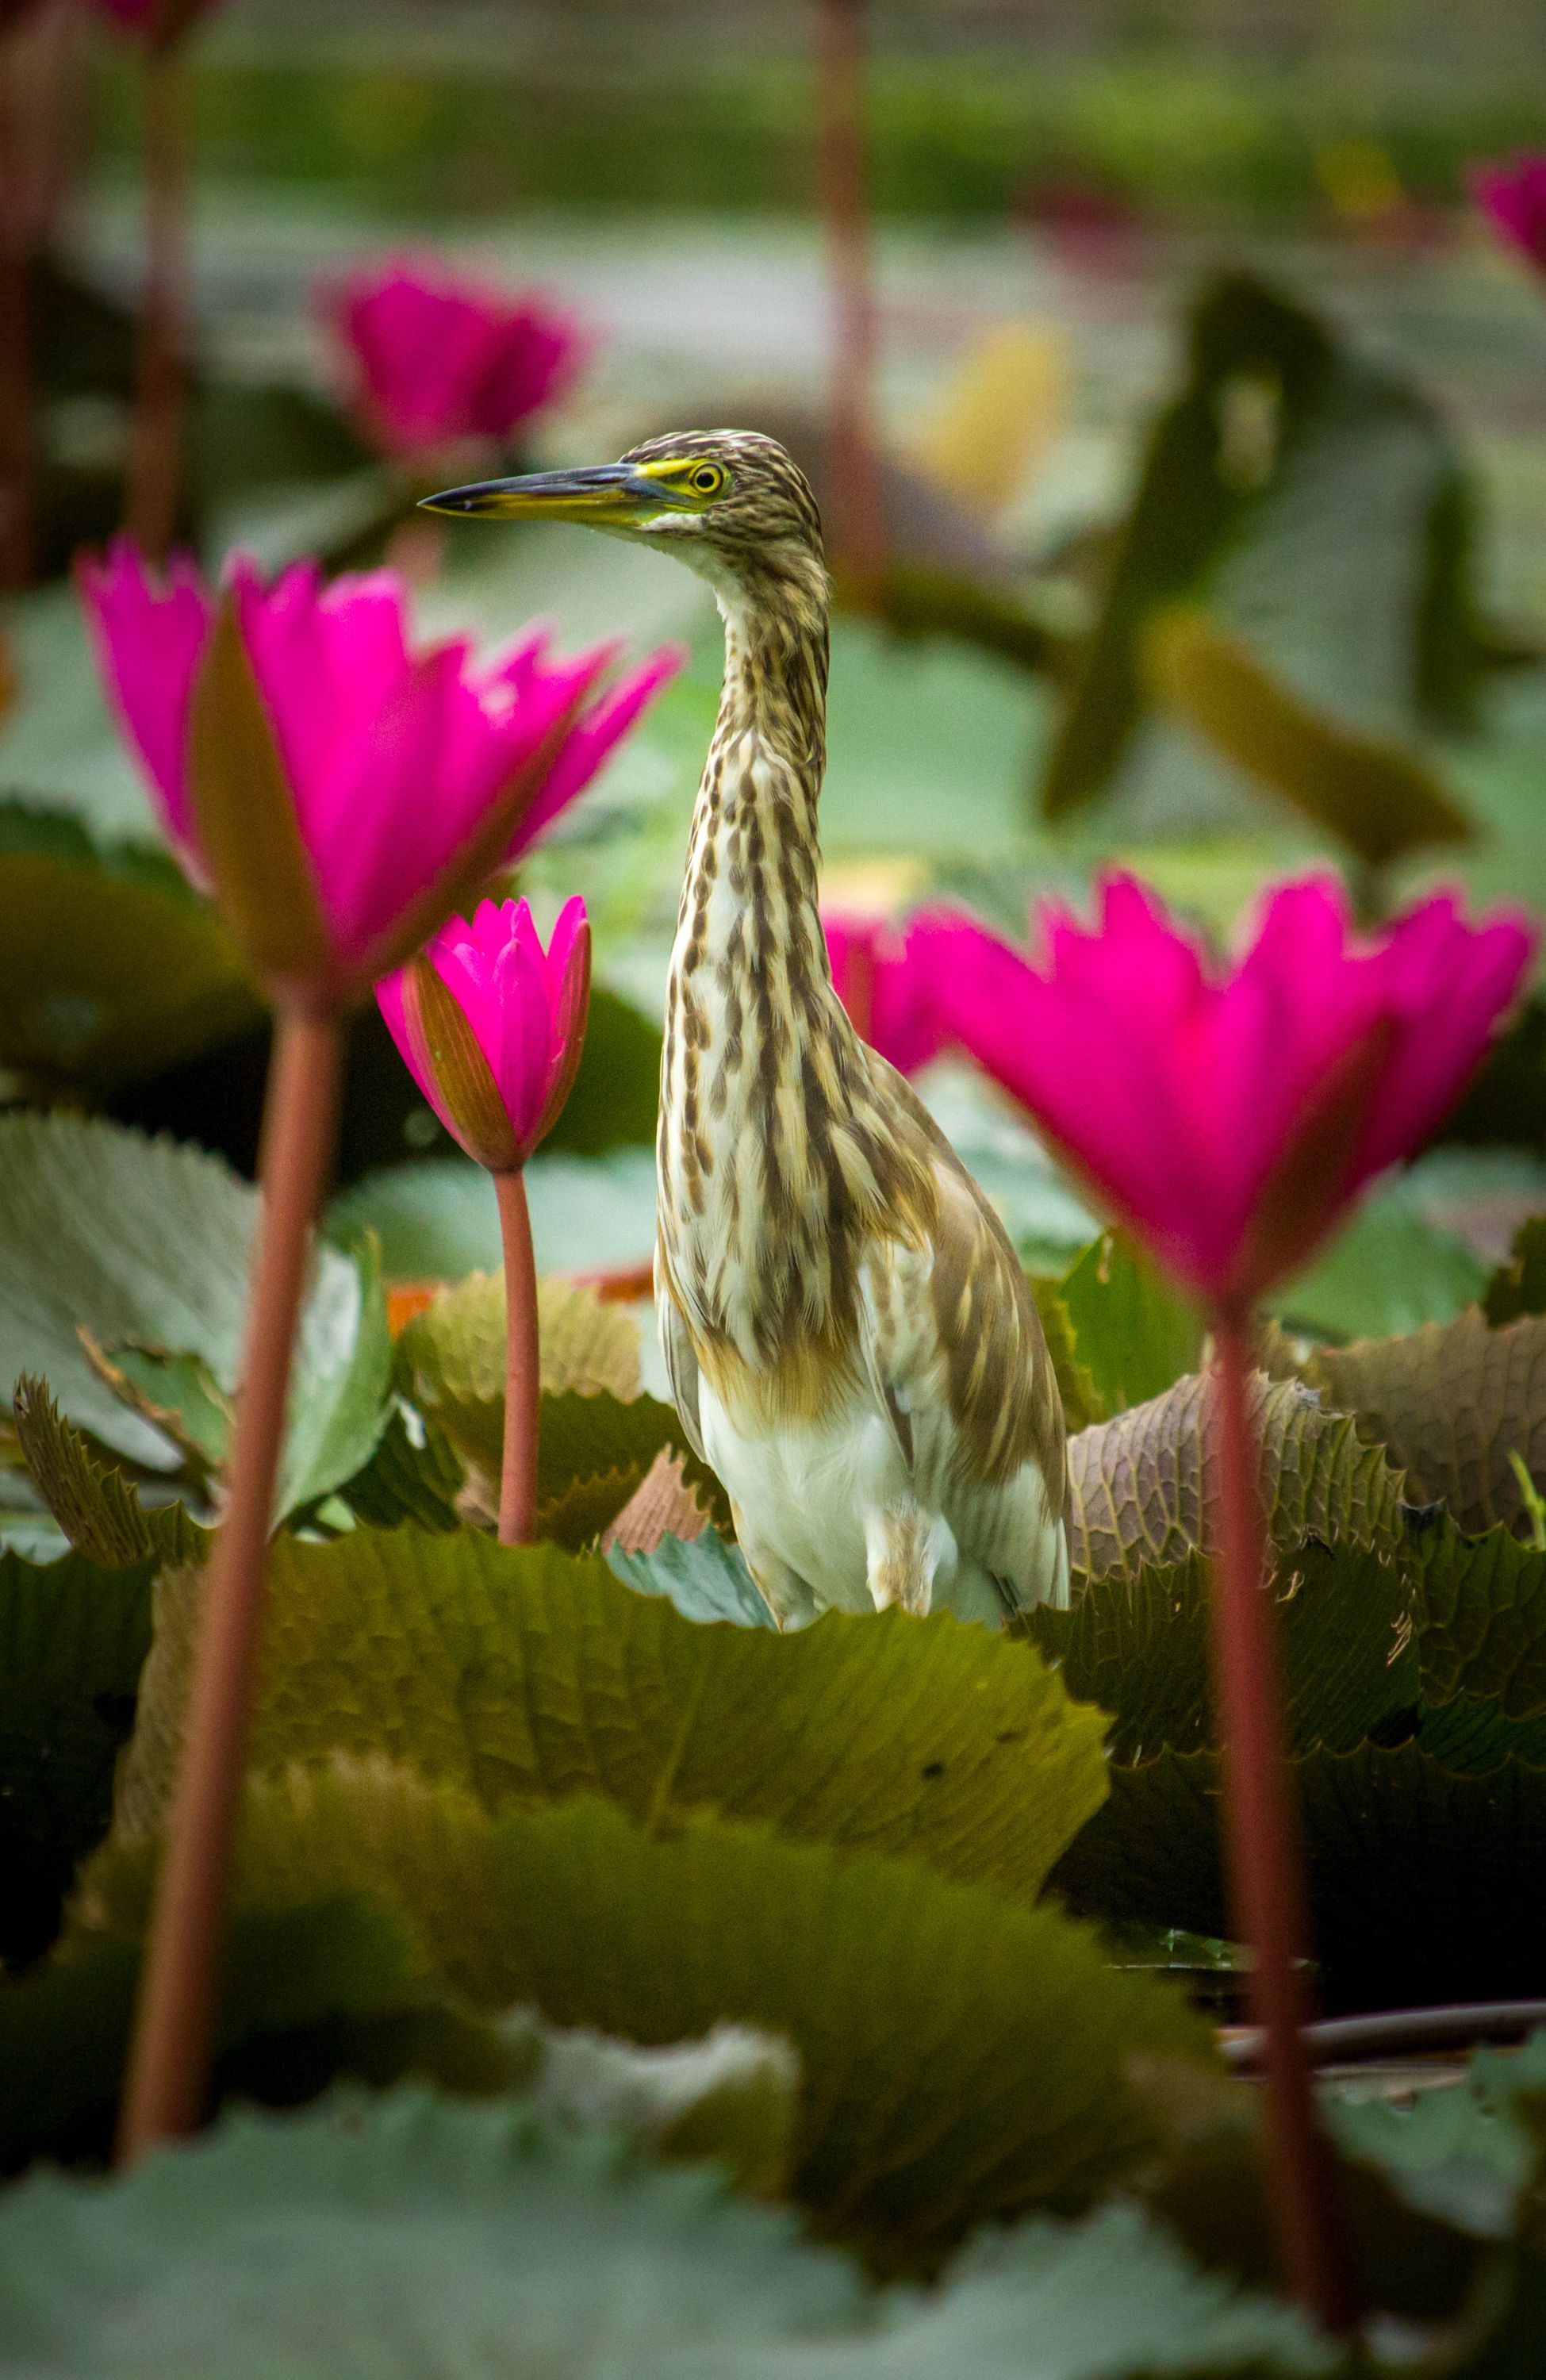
729	503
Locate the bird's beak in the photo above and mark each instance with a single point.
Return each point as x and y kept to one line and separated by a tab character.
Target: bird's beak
604	494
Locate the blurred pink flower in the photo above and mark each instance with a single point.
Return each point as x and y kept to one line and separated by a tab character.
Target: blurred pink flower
438	359
490	1025
1512	197
291	729
1232	1116
883	975
159	22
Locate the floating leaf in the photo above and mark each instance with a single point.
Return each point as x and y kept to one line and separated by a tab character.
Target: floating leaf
1389	1270
581	1438
702	1576
414	1475
1482	1614
597	1436
1139	1647
523	1674
1083	1402
732	2096
1142	1492
145	1244
1131	1329
548	2257
456	1350
1451	1404
582	1515
984	2079
417	2240
661	1506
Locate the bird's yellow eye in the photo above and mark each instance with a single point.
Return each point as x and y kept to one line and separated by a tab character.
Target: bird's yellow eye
707	480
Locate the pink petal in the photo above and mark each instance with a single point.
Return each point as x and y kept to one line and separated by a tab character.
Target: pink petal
149	640
594	736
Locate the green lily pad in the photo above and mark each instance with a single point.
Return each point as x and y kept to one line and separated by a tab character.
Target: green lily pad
1142	1491
1139	1647
1134	1333
521	1675
1451	1404
145	1245
985	2079
410	2239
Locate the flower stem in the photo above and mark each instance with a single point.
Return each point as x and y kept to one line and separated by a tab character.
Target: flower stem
852	469
169	2059
155	454
523	1375
1265	1861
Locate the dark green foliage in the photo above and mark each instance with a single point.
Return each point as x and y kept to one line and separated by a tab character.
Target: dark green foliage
334	1986
1419	1878
1417	1721
73	1638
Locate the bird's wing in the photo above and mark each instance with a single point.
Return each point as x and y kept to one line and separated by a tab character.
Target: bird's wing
682	1363
954	1347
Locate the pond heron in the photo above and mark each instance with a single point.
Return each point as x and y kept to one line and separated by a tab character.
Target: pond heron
851	1342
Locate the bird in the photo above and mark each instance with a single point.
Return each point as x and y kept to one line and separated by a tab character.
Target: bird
852	1342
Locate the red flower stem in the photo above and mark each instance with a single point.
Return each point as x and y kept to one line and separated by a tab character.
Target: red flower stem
523	1375
170	2055
858	530
155	452
1264	1853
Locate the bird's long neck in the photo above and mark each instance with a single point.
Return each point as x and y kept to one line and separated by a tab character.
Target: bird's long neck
770	1150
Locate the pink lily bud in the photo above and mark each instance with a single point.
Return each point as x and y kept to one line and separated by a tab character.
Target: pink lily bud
1513	197
490	1025
336	791
883	975
436	358
1231	1116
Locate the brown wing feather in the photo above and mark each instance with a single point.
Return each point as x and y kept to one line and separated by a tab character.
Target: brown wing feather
682	1363
1003	1392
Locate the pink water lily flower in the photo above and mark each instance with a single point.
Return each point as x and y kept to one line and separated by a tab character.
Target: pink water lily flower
437	359
1512	197
337	790
884	976
490	1025
1231	1115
